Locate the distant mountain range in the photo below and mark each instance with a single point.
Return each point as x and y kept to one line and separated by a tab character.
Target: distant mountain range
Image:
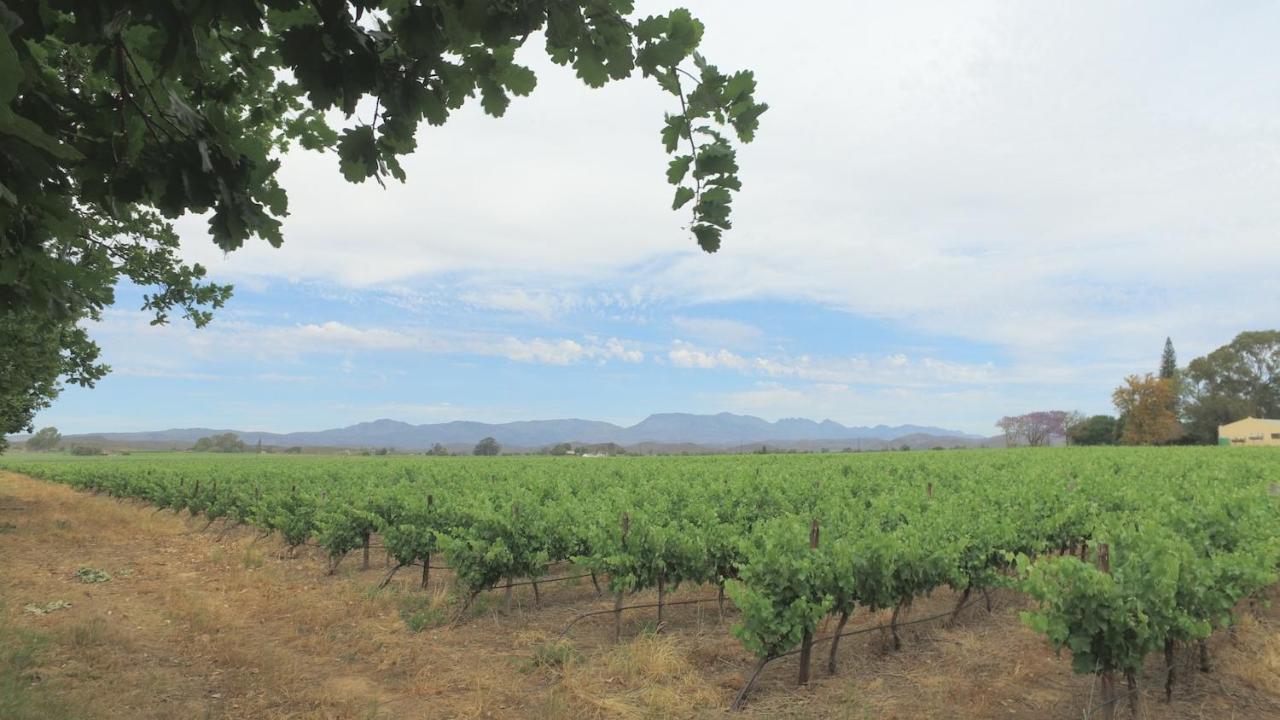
724	430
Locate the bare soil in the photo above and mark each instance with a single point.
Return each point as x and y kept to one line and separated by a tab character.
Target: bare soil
202	621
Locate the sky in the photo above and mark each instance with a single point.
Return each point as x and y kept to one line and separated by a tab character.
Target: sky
952	212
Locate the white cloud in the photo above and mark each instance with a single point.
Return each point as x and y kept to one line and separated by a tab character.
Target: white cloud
137	348
718	331
684	355
552	352
331	336
541	305
895	369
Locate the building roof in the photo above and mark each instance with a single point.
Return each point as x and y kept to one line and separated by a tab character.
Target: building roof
1264	421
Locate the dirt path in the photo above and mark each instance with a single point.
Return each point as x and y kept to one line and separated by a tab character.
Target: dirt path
194	625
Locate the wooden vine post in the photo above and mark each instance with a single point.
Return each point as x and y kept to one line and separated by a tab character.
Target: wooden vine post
617	600
426	557
1107	675
662	595
515	518
806	642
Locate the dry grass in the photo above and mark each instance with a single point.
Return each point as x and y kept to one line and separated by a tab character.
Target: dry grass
214	623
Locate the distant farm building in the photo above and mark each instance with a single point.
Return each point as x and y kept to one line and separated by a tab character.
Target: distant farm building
1250	431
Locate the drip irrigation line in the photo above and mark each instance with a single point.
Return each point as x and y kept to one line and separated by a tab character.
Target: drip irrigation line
610	611
539	581
418	565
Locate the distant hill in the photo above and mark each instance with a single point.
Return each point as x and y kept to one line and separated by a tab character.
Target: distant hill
722	431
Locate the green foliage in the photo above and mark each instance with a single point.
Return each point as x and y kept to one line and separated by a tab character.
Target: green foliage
783	588
1168	361
1237	380
1097	430
92	575
487	447
1173	575
555	654
35	352
46	439
225	443
342	529
419	613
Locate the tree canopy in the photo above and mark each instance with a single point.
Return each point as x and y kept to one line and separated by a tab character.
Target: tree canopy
1168	360
1095	430
226	443
47	439
487	447
1239	379
1034	428
1146	405
118	116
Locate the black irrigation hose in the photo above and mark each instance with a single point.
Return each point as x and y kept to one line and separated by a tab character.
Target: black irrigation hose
742	694
539	581
610	611
535	582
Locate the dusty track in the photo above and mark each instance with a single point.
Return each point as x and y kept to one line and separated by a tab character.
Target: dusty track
194	625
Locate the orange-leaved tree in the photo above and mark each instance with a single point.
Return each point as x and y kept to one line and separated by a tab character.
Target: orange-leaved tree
1146	404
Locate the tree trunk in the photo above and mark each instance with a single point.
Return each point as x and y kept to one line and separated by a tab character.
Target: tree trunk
720	598
537	596
893	627
333	564
1135	695
806	649
595	583
662	593
964	597
1108	695
1168	672
617	617
366	553
390	575
1204	656
508	595
835	642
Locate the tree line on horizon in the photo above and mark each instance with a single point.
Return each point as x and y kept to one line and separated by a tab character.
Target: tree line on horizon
1173	406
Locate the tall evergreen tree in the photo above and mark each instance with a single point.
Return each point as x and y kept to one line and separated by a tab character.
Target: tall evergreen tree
1168	361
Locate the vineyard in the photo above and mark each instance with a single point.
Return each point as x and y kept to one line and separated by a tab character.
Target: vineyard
1124	553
